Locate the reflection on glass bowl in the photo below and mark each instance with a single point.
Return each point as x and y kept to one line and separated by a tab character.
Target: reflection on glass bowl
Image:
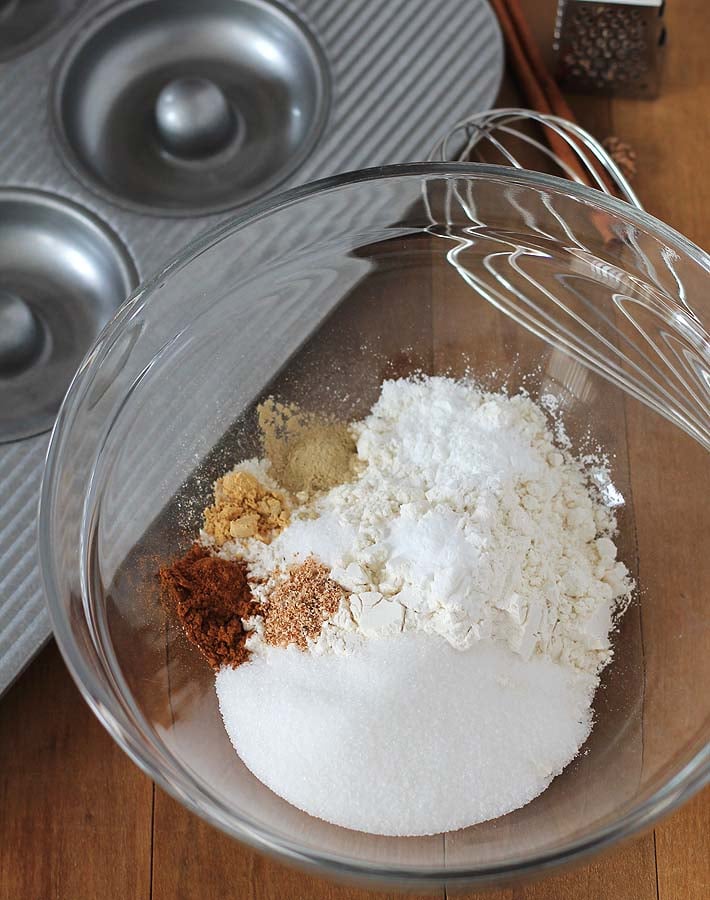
317	296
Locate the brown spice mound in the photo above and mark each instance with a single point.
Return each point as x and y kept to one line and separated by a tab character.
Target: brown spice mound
244	508
298	607
623	155
210	596
307	452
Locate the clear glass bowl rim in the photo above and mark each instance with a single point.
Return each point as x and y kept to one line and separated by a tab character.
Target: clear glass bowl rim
688	780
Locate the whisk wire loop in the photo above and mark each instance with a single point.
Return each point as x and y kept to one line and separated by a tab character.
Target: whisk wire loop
495	127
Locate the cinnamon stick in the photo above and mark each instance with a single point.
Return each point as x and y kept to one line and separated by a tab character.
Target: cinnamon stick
538	86
531	86
548	85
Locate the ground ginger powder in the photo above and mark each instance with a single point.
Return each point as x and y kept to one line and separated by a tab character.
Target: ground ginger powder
244	508
307	452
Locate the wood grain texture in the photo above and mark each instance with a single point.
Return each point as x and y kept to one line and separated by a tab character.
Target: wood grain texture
77	818
672	140
672	134
75	812
628	874
208	860
683	852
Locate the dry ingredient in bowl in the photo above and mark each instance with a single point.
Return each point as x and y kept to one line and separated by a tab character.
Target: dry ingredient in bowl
306	452
244	507
298	607
211	597
406	736
468	588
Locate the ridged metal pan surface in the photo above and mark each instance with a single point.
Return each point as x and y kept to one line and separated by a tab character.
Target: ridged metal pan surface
397	76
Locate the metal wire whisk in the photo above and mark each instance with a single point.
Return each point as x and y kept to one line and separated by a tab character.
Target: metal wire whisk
496	126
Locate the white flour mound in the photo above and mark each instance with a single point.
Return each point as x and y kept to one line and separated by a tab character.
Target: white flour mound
467	521
405	736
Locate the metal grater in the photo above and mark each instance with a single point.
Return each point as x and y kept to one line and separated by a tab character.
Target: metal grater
614	47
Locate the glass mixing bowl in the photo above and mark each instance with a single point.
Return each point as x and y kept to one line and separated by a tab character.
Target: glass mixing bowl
316	296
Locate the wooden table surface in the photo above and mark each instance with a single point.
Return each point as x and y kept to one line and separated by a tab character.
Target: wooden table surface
81	822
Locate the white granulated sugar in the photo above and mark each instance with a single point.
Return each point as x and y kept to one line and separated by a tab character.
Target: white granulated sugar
328	537
456	678
405	736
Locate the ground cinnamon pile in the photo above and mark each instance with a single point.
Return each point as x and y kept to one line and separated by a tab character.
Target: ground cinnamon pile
210	596
244	508
298	607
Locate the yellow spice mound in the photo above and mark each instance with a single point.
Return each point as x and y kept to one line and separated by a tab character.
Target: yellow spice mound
307	452
244	508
